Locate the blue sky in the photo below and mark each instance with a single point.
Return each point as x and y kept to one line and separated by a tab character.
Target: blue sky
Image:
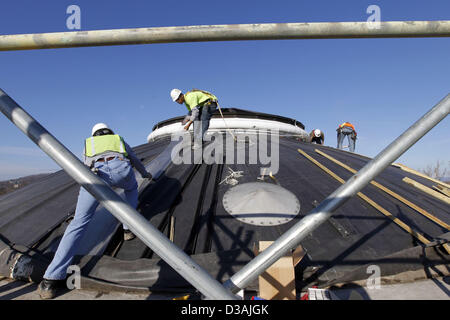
380	85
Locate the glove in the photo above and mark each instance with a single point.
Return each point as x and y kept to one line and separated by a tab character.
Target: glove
186	127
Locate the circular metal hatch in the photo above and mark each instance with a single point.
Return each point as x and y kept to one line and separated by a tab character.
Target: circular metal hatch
261	204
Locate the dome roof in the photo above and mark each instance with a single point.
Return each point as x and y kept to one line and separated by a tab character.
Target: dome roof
217	213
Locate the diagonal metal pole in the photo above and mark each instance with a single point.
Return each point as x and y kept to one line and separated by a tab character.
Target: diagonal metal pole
143	229
292	238
228	32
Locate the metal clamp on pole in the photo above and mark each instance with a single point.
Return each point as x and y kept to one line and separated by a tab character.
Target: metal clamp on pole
319	215
143	229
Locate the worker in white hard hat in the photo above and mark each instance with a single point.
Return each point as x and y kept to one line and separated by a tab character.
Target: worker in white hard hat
317	136
201	105
112	159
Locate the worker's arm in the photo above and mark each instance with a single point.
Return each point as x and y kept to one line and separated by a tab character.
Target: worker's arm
188	124
84	155
192	100
135	162
88	161
186	118
194	116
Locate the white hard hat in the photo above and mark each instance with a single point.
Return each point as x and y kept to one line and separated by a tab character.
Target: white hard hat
175	94
317	133
99	126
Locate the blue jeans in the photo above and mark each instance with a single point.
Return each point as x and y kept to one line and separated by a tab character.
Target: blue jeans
346	132
116	173
200	127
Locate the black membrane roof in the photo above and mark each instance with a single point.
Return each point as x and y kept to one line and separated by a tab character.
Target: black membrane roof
190	196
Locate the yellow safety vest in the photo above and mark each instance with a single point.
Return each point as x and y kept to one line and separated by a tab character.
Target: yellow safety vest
197	97
100	144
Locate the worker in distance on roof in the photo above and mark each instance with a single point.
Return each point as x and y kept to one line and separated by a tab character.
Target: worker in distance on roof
346	129
201	105
111	158
317	136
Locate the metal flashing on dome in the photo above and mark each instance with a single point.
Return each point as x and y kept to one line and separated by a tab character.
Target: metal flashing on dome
238	121
261	204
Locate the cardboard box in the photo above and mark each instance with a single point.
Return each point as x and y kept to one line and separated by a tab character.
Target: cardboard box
278	281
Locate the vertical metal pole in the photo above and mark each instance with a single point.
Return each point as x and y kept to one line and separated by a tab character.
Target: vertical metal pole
319	215
143	229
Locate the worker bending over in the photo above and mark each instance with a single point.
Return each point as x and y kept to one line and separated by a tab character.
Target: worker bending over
317	136
346	130
201	105
111	158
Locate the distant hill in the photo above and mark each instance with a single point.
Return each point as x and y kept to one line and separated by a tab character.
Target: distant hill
15	184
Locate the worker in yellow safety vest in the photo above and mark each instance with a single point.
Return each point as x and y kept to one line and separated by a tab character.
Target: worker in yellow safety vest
201	105
346	129
112	159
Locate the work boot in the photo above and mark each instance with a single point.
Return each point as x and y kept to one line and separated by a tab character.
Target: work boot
128	235
47	288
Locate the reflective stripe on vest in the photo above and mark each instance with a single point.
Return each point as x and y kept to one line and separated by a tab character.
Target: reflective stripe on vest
101	144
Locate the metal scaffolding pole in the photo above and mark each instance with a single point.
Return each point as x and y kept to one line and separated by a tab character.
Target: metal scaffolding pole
143	229
292	238
266	31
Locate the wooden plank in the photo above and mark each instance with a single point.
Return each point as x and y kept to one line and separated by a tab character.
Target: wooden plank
442	189
400	223
427	190
391	193
172	228
420	174
446	247
397	221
